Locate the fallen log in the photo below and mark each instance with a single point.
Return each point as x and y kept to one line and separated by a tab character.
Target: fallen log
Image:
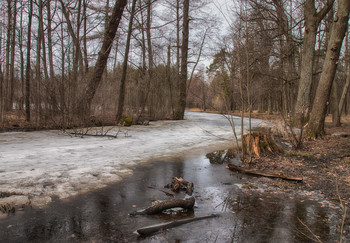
274	174
178	184
160	227
160	207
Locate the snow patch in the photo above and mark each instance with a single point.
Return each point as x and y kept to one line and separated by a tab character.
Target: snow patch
47	164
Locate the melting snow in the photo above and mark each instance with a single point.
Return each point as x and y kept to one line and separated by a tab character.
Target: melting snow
46	164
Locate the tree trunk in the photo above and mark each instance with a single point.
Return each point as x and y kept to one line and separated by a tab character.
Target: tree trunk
335	105
125	65
181	103
168	78
319	108
13	47
150	57
347	82
38	65
7	60
29	36
86	61
86	99
312	21
343	96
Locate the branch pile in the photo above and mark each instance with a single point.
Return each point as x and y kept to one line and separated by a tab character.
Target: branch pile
179	184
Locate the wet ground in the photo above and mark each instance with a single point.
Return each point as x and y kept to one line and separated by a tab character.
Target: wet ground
246	214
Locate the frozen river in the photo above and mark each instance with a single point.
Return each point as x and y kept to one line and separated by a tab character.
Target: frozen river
40	166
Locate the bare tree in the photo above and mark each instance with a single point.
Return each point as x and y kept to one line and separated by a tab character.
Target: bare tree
181	102
125	65
109	34
28	68
312	22
318	113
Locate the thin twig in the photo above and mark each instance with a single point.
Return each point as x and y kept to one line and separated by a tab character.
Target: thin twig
316	237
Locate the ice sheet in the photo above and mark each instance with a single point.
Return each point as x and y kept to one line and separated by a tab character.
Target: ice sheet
47	164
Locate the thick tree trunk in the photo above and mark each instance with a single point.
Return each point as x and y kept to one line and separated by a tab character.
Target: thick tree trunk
316	125
312	21
181	103
86	99
125	65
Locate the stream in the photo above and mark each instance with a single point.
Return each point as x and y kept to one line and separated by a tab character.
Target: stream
246	214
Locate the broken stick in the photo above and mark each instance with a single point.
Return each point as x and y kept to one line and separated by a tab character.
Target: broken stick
274	174
160	227
160	207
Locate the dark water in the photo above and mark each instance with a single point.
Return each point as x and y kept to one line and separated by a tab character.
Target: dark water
245	215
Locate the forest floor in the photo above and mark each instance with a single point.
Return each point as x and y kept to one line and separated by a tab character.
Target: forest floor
324	164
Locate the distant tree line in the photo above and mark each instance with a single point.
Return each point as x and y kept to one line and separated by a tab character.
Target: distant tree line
284	56
65	63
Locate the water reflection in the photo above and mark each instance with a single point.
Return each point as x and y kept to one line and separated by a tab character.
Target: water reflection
246	216
222	156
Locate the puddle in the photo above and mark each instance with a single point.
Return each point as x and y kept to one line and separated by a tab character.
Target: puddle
246	215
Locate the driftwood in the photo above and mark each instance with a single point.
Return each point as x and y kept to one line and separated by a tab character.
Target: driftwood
261	142
274	174
160	207
178	184
160	227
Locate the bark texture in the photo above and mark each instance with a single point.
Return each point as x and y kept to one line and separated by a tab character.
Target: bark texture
318	113
312	21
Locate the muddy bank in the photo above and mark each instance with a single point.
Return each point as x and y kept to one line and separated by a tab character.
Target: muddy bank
249	210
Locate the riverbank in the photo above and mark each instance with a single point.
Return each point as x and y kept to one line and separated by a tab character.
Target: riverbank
324	165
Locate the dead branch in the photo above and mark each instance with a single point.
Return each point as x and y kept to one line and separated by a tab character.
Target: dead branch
93	135
160	207
272	174
160	227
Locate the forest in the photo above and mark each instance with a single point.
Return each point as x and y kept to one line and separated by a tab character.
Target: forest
67	63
